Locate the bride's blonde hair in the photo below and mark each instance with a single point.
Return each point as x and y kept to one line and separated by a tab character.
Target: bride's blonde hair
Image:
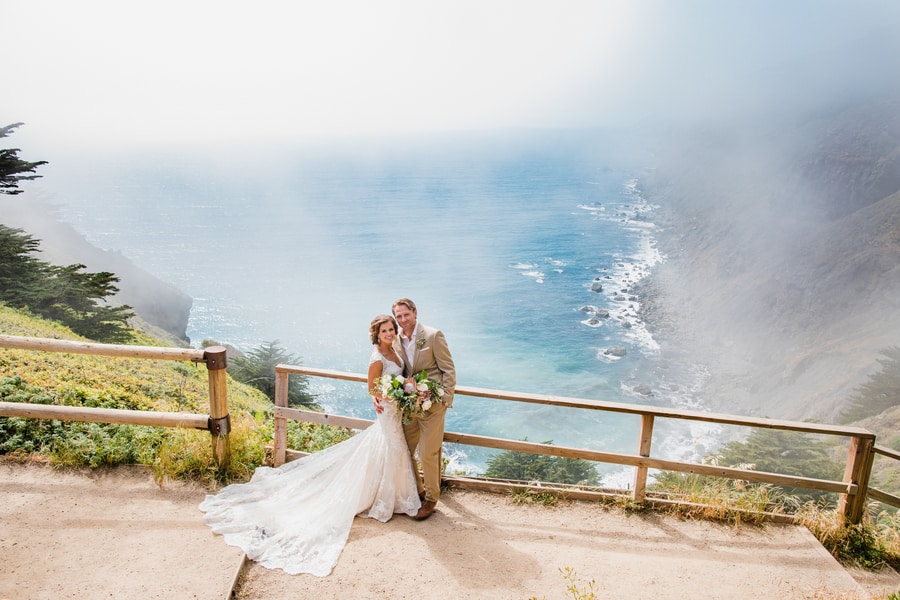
377	322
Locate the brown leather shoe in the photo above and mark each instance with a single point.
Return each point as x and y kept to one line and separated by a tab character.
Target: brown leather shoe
426	510
422	496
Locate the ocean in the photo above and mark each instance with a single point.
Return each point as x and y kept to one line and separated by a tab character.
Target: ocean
523	248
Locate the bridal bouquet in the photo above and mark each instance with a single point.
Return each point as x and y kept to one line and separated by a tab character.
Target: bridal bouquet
413	395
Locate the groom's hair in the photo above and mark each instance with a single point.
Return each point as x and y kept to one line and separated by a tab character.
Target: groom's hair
405	302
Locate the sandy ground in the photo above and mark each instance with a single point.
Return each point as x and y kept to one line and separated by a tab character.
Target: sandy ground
115	534
106	534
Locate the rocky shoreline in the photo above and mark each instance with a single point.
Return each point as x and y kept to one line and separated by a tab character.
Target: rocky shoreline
786	288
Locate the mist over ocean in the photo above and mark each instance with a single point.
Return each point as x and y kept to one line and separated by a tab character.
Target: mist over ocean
516	247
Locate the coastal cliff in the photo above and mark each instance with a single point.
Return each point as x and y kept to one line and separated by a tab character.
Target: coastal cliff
162	310
783	246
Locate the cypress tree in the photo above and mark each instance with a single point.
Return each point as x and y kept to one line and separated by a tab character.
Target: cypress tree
12	167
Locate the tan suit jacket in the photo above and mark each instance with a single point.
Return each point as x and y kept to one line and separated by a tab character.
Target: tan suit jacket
432	355
425	433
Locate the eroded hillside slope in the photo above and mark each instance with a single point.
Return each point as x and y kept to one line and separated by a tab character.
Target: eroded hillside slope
783	245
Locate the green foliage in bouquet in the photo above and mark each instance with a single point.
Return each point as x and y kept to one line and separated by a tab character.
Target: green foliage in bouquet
413	395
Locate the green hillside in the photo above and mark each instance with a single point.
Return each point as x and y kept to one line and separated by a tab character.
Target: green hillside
75	379
136	384
782	240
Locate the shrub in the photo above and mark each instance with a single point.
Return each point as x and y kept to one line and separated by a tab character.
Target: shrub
524	466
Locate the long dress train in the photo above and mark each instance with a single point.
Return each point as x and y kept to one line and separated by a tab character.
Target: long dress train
297	517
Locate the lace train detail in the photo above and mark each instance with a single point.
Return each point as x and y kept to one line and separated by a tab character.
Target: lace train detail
298	517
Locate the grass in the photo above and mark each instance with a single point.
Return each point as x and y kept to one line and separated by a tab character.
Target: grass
82	380
871	545
135	384
714	498
574	589
530	496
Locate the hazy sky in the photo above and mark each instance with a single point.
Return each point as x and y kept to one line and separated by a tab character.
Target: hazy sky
114	72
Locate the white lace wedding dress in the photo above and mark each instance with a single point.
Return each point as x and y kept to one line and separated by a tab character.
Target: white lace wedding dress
297	517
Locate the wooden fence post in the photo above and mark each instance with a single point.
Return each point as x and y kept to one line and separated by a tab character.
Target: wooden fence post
219	419
640	473
279	442
859	466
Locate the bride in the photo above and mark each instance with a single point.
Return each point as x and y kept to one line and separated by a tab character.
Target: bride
297	517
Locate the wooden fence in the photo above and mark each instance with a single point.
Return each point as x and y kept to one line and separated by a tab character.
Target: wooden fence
854	488
218	422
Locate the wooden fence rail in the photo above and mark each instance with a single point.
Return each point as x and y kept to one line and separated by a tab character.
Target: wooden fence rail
853	488
879	495
218	422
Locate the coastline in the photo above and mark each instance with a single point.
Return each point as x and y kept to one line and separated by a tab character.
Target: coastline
675	317
161	309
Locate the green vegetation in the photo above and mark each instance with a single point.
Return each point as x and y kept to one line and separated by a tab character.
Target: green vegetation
81	380
65	294
38	299
860	545
573	589
578	593
12	167
870	545
532	496
257	369
524	466
65	302
880	393
138	384
788	453
713	498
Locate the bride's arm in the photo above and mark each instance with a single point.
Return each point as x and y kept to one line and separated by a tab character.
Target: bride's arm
375	370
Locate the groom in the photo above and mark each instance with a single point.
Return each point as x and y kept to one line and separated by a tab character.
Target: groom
425	348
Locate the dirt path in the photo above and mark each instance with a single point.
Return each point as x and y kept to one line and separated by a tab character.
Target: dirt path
482	546
115	534
106	534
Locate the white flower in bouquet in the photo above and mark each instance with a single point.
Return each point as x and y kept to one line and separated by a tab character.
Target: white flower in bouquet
412	396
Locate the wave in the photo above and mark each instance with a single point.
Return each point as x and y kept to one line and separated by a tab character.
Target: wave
507	283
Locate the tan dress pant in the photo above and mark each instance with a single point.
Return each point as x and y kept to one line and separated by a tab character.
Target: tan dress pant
427	433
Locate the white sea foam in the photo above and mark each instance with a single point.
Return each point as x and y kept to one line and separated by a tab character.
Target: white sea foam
592	207
458	461
621	479
505	332
627	270
604	356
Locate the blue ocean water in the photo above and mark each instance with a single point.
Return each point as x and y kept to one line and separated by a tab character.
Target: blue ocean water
516	247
